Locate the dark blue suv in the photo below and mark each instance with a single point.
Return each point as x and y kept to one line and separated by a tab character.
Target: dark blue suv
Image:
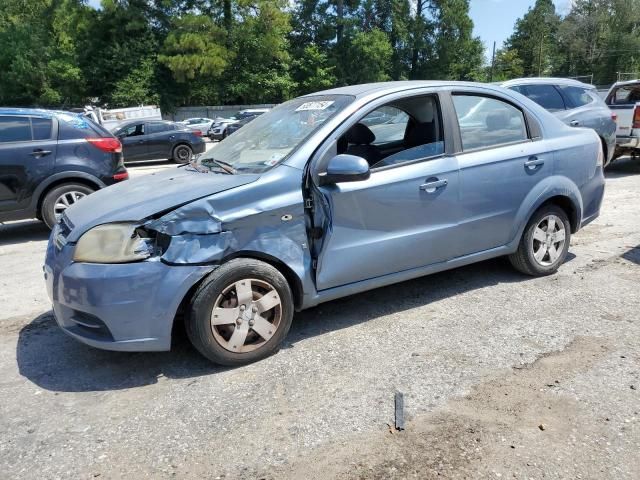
51	159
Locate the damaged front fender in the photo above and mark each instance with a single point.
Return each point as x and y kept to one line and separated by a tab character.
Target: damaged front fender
264	220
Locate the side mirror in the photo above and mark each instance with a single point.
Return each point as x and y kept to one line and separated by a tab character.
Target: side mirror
345	168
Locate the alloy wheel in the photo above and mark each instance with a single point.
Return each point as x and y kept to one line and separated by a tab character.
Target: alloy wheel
548	240
65	200
246	315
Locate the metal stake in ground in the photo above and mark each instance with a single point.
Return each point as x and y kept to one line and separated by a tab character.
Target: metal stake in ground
399	411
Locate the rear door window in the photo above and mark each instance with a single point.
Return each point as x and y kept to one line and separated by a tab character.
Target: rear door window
41	128
15	129
158	128
488	122
544	95
577	96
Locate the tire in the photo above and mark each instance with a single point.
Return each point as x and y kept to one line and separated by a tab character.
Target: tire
182	153
59	199
224	134
241	335
534	255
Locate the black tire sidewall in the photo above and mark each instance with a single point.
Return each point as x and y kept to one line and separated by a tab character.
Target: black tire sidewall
199	318
527	239
175	153
47	211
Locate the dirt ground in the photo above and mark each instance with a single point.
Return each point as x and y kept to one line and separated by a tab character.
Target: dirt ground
503	376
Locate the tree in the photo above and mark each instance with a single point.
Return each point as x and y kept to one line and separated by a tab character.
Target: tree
313	71
367	58
535	39
507	65
195	47
138	87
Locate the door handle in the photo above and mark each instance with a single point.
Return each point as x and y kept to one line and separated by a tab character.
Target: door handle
533	163
431	187
574	123
38	152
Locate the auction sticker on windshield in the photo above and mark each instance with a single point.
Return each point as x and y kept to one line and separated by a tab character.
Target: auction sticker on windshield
314	105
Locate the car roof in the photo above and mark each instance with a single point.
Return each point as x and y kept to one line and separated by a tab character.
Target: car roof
145	120
36	112
626	82
384	88
546	81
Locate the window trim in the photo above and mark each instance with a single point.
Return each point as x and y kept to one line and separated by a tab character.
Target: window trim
525	117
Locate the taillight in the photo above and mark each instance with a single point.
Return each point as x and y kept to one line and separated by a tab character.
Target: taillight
121	176
197	133
106	144
614	117
636	118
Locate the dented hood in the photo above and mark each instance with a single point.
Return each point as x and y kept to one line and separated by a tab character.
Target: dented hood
137	199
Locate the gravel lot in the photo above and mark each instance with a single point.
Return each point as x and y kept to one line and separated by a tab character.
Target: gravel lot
503	376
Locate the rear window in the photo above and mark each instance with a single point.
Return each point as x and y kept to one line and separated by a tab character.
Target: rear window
577	96
72	127
628	95
544	95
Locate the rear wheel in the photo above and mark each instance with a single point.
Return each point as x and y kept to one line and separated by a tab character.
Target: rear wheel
545	242
182	154
241	313
59	199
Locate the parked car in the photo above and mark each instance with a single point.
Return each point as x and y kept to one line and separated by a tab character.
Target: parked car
306	204
143	140
203	125
49	160
624	99
218	130
234	127
250	112
575	103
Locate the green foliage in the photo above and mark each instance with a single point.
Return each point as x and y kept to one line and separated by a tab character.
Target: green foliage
535	38
195	47
63	53
367	58
312	71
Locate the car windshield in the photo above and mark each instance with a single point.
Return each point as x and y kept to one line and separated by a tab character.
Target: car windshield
273	136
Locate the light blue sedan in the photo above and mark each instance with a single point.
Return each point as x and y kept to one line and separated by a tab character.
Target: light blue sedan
327	195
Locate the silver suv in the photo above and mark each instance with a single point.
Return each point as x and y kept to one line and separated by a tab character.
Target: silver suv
575	103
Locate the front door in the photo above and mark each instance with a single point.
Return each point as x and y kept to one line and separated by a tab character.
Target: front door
134	142
405	215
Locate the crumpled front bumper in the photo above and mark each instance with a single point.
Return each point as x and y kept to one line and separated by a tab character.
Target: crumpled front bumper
125	307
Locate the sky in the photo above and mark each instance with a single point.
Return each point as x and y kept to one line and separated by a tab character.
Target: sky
494	20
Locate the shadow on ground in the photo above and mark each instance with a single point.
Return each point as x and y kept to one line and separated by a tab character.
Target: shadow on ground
623	167
53	361
21	232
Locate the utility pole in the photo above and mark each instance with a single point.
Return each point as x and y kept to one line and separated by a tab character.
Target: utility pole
540	56
493	61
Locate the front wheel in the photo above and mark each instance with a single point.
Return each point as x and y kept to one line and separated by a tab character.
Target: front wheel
241	313
544	244
182	154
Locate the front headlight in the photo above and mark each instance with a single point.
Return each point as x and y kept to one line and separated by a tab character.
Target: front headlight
112	243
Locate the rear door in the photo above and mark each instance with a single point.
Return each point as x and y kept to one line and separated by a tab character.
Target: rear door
27	156
500	162
160	138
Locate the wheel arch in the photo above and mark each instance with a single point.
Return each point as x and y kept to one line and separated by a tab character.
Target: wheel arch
61	179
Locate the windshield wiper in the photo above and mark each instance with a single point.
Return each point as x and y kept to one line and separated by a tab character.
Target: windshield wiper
227	167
